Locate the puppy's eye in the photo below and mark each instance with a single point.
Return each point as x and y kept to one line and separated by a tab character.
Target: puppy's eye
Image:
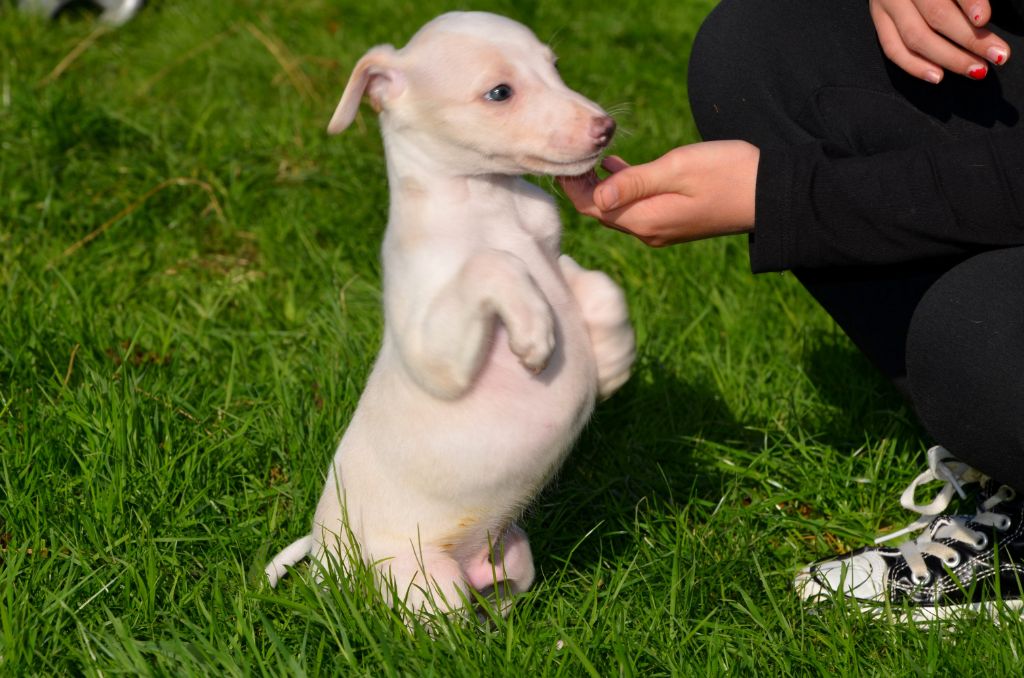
499	93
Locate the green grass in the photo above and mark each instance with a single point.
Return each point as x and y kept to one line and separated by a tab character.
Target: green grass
189	306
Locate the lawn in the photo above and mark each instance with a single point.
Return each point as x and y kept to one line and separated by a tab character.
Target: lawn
189	306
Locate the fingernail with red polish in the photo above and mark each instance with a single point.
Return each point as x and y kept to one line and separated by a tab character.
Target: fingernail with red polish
978	72
996	55
976	15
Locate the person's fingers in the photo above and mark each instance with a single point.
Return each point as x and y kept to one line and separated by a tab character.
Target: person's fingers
607	198
953	23
920	36
978	11
580	191
613	164
634	182
657	221
896	50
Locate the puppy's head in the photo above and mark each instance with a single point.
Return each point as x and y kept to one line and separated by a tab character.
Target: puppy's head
480	94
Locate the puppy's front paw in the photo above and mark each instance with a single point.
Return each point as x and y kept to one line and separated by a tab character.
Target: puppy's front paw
532	335
504	284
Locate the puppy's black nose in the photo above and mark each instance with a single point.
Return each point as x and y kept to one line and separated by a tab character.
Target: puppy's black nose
602	128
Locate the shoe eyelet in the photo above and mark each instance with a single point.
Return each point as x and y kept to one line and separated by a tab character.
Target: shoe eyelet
981	544
920	581
952	562
1009	493
1004	523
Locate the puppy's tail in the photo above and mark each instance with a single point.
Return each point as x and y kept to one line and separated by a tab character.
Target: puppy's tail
288	557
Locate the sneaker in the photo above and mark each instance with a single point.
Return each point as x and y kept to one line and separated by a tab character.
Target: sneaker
114	12
957	563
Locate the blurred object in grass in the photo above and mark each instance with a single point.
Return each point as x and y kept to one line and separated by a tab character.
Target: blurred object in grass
114	12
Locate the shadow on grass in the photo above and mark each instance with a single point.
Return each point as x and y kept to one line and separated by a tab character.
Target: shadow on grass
661	441
860	401
641	447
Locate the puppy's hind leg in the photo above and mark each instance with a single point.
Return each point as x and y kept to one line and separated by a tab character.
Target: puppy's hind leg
604	310
506	566
516	558
425	581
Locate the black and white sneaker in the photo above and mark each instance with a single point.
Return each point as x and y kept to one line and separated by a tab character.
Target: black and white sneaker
957	563
114	12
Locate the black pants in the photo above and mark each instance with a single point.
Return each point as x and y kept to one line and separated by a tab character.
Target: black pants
950	333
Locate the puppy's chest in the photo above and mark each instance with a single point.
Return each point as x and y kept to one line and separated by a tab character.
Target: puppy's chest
537	215
518	217
532	234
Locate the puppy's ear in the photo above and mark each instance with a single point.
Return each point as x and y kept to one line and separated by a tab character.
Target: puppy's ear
376	75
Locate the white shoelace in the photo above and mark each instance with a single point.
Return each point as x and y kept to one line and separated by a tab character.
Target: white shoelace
944	467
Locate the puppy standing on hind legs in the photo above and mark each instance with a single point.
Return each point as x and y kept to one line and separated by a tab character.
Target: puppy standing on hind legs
495	345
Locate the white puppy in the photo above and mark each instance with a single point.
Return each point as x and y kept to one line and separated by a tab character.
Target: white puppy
495	346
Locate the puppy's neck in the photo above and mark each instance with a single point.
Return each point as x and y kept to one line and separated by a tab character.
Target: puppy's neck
422	170
430	199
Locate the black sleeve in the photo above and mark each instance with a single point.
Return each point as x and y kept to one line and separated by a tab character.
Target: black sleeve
817	207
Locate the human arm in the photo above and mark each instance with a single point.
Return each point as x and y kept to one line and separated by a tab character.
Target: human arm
815	206
818	206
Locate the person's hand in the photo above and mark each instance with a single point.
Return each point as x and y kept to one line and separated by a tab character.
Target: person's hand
691	192
923	37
